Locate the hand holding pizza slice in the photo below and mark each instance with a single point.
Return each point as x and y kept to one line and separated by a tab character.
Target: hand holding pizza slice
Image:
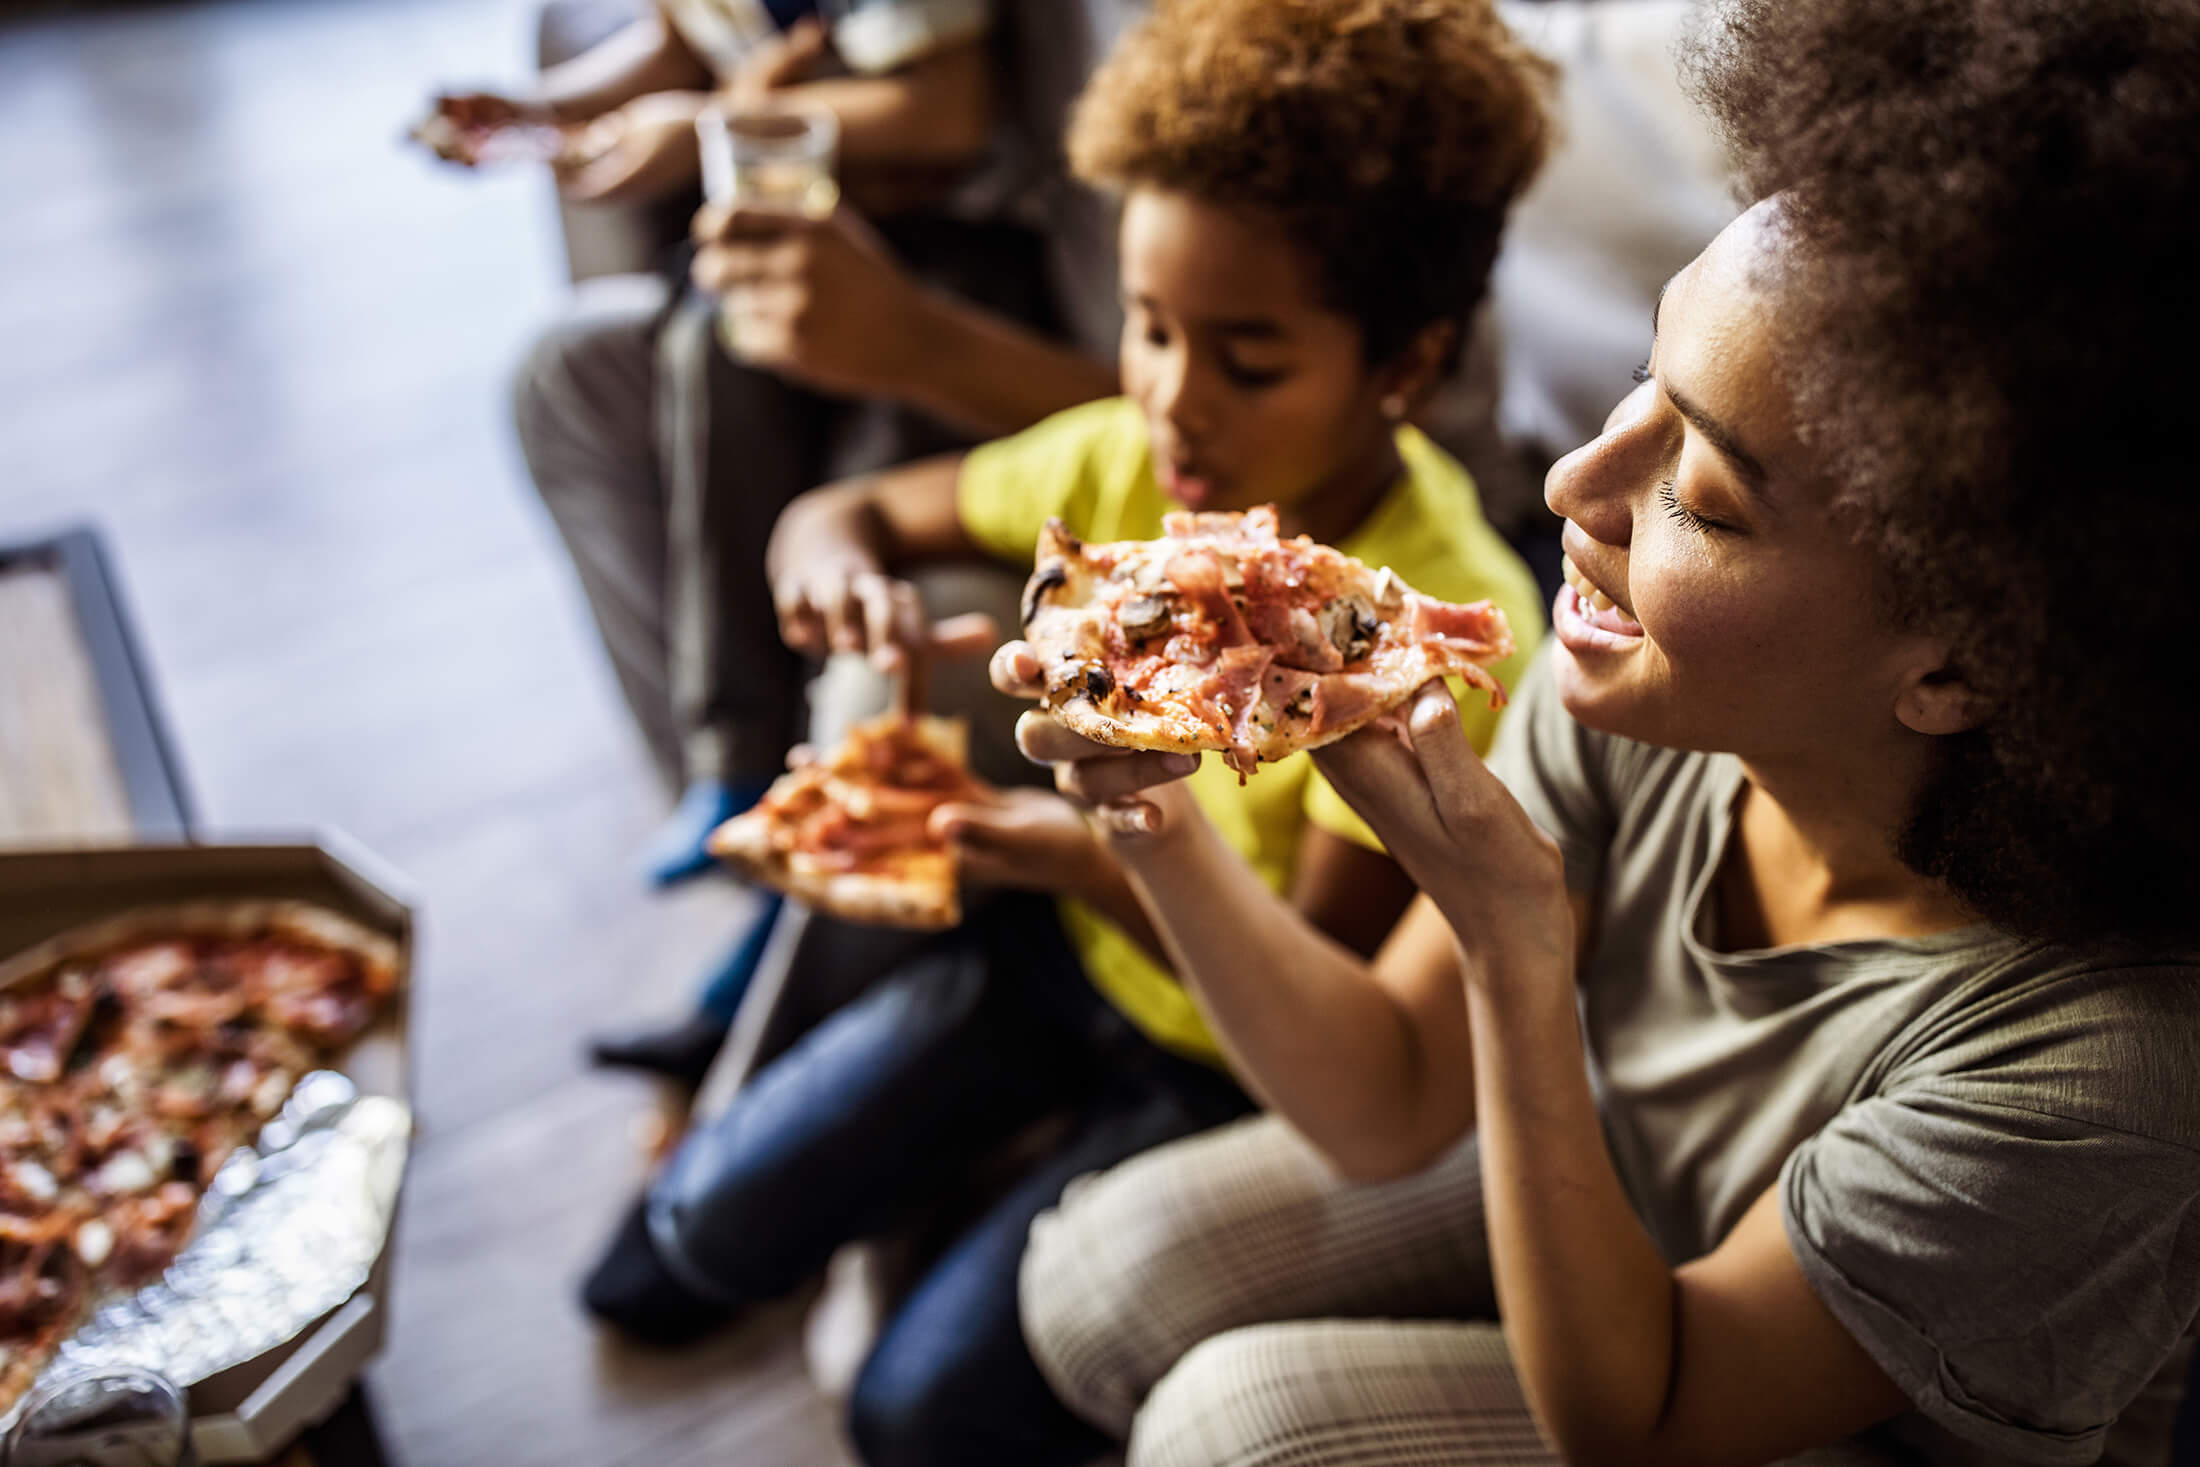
1224	636
852	834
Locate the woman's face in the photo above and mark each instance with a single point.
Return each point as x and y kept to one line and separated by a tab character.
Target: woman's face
1740	615
1254	391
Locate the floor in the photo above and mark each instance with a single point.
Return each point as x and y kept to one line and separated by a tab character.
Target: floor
264	346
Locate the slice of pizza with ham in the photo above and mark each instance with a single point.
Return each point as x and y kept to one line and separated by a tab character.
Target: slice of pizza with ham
850	833
1222	635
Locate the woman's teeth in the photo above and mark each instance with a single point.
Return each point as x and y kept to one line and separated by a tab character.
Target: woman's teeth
1596	599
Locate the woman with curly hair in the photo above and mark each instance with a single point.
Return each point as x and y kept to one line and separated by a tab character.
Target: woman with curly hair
1796	1049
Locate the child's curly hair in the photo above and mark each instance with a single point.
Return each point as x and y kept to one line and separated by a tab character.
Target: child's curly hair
1388	136
1991	293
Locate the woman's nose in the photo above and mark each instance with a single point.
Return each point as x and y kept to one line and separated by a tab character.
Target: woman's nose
1597	484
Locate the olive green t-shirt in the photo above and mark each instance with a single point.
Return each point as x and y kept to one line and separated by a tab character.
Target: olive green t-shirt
1987	1150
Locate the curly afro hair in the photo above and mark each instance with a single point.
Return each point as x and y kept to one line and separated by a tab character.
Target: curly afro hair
1990	301
1388	136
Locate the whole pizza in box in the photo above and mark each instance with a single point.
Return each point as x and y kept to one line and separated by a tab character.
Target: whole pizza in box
135	1055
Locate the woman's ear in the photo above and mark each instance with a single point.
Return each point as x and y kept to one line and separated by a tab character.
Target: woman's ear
1937	700
1412	376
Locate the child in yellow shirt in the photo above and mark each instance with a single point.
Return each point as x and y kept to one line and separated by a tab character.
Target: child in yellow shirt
1313	192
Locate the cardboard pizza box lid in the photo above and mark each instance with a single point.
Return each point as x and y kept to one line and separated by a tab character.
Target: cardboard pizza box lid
251	1411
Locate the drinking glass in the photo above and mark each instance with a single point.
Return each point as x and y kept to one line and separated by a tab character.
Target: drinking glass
118	1417
777	158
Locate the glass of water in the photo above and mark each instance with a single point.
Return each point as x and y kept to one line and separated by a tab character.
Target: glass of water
118	1417
769	157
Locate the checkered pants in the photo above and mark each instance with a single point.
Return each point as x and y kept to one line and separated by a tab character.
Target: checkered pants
1227	1300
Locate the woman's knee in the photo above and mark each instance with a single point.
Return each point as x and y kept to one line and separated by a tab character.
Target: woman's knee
1118	1281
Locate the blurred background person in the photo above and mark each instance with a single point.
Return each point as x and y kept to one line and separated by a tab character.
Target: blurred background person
664	458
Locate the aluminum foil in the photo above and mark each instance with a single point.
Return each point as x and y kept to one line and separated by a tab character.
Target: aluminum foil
287	1231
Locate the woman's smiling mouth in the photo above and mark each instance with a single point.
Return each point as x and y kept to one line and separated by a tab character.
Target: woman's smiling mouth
1588	620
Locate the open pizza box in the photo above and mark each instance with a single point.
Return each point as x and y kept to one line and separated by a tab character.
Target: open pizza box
250	1412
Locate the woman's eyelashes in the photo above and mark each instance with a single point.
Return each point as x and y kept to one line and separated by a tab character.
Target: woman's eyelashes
1641	374
1669	496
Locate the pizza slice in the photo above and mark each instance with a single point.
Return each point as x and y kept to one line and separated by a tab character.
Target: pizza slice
850	834
1224	636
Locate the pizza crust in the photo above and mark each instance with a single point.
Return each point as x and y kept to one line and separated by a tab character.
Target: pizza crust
291	921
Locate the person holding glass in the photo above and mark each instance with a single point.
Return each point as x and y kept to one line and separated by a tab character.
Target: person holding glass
905	320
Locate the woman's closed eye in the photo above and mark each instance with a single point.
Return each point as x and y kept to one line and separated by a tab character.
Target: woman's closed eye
1669	495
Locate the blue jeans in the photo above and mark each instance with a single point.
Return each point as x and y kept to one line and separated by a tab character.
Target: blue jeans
986	1031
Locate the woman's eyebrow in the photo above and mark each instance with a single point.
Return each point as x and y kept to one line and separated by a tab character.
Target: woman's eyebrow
1722	438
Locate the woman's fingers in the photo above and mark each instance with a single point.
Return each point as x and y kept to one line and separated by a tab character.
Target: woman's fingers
1103	781
1045	740
1016	670
1457	780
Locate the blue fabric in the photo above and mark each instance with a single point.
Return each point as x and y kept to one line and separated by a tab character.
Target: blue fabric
725	984
862	1122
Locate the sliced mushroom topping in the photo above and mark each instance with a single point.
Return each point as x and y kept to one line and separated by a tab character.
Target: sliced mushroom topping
1047	578
1143	617
1350	624
1390	592
1149	575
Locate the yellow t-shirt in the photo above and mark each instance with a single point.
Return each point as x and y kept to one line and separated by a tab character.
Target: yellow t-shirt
1092	465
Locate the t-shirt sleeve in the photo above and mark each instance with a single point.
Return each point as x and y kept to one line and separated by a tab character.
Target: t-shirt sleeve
1009	488
1557	770
2018	1272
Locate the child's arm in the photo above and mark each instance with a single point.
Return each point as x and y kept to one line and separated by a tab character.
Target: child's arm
832	562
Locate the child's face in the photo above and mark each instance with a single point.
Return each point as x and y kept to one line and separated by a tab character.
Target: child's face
1254	391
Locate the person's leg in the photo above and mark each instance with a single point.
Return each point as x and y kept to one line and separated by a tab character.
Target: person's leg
834	1140
584	402
1337	1393
950	1379
1246	1225
737	445
1330	1392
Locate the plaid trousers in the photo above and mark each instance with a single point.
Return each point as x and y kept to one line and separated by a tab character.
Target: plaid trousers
1227	1301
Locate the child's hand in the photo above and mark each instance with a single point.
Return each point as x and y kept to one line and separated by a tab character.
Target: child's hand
846	604
849	605
1134	792
644	151
1026	839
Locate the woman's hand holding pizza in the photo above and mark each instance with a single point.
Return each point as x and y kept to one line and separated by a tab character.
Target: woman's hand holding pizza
1133	792
1462	837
